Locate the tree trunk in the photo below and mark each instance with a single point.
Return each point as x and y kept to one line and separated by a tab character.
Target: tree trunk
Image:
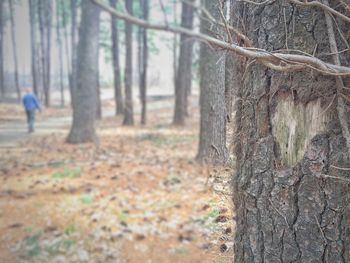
73	76
118	95
14	45
184	70
144	62
2	25
98	87
60	49
212	138
34	69
175	43
45	16
84	99
291	202
128	109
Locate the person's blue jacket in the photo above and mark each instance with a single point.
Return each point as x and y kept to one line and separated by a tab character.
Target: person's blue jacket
30	102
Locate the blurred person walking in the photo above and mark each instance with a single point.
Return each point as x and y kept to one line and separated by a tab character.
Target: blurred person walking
31	104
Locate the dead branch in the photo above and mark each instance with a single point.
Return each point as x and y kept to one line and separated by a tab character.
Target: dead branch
325	7
261	56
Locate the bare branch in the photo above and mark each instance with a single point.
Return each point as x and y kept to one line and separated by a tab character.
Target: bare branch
260	55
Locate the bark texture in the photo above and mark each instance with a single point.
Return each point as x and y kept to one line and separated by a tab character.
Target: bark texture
212	139
128	108
118	94
184	71
84	99
292	204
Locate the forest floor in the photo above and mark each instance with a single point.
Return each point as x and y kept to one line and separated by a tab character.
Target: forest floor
136	195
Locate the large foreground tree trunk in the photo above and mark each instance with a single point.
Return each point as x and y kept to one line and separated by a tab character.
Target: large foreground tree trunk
212	139
84	99
128	107
291	200
118	94
184	71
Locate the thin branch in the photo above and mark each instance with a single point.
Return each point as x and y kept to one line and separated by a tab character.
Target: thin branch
323	6
262	56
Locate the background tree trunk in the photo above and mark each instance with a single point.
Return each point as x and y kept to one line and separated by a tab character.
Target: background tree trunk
118	95
2	25
98	87
212	138
34	69
144	63
60	49
128	109
45	16
291	203
73	76
184	70
14	46
84	99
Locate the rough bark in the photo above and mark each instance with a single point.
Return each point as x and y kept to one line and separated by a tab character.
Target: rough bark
184	70
212	139
144	62
14	46
60	49
118	94
84	99
128	108
2	24
291	204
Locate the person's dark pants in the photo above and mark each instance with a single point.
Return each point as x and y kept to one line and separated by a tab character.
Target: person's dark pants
30	119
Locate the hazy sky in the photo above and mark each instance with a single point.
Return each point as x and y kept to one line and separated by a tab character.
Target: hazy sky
161	71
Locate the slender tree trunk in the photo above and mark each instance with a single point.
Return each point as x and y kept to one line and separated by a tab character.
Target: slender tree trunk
34	54
68	60
175	43
60	49
14	45
118	95
291	202
45	16
98	88
212	139
84	99
2	25
184	71
144	63
73	76
128	110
